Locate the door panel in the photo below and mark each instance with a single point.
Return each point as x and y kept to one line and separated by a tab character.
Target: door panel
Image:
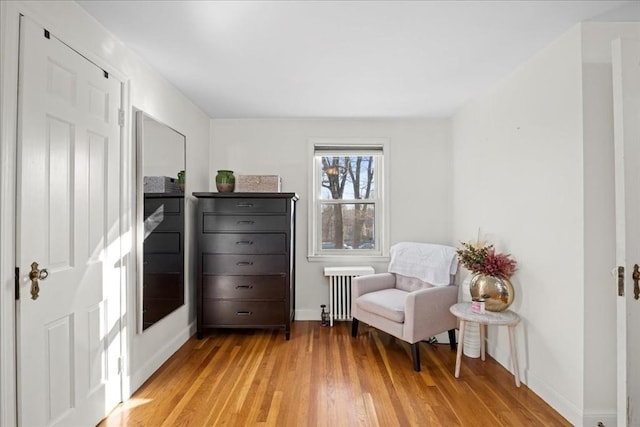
626	96
68	340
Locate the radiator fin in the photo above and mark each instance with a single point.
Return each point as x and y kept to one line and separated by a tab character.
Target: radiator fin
340	290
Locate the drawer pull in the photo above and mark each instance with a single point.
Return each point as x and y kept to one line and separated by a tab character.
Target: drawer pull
244	205
245	222
244	263
244	313
244	287
245	242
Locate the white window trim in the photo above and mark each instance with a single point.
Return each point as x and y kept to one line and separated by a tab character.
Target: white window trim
382	218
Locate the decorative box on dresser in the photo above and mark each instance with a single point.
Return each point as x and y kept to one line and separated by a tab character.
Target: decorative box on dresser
246	260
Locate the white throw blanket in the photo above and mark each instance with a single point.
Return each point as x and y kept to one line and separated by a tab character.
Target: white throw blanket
428	262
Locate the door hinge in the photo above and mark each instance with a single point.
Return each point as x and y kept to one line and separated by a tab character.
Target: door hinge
120	117
17	279
620	281
119	365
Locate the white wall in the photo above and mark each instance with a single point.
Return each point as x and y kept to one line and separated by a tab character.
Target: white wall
518	172
534	160
147	91
418	165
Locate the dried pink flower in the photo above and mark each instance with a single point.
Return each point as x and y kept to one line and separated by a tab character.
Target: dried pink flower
485	260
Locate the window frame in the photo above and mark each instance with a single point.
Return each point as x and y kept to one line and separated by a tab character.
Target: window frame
320	147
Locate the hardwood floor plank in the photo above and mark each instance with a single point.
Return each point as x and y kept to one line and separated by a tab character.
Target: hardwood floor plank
372	416
324	377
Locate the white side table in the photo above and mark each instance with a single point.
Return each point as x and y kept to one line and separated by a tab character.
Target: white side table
507	318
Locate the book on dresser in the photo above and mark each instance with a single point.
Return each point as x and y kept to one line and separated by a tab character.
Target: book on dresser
245	260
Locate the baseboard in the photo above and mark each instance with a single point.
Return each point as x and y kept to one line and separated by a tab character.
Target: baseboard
308	314
564	407
314	315
503	357
141	375
593	419
443	338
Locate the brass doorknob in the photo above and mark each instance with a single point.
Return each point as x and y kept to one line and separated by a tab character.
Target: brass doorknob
36	275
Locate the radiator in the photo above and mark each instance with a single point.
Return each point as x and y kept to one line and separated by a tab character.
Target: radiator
340	290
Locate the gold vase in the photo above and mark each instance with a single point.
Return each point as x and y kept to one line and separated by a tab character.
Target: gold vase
497	292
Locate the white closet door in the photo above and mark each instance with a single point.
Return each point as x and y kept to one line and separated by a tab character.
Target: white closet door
68	339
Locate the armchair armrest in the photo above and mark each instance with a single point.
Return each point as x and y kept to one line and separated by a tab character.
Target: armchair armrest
370	283
427	312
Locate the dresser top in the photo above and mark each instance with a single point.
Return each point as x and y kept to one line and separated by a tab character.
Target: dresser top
164	195
238	195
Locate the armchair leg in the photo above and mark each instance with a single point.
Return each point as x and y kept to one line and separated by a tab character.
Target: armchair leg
452	339
354	327
415	354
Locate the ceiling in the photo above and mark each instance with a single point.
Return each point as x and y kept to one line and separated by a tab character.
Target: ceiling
352	59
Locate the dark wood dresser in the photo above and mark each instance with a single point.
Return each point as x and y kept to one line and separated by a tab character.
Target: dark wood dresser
246	260
163	259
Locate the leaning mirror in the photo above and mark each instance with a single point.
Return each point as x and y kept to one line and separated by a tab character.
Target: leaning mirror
160	180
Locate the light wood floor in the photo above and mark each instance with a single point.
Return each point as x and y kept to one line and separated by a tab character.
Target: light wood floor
324	377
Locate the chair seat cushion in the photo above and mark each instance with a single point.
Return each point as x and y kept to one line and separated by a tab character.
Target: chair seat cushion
387	303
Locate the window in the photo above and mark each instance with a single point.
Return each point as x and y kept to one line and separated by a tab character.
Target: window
347	209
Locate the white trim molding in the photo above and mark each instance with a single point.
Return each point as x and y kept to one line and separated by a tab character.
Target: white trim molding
332	146
9	36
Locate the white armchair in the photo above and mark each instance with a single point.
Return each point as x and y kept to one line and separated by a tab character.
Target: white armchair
405	307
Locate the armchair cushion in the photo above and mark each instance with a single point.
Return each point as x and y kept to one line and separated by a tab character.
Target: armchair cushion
410	284
387	303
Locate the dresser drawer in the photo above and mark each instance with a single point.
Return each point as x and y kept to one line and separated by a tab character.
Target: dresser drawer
244	287
212	223
156	309
245	243
163	263
163	222
244	264
166	285
162	243
168	205
241	206
244	313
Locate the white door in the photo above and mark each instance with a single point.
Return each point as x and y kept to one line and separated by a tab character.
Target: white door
68	339
626	97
